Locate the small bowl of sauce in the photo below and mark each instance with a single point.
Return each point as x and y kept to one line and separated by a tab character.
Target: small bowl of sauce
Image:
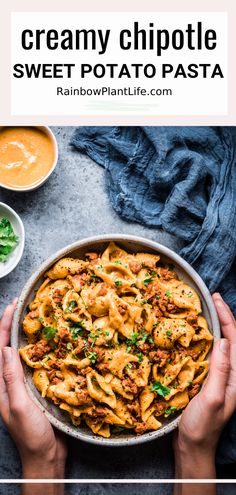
28	156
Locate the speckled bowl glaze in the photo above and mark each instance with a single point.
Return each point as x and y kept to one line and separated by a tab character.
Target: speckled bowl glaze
59	418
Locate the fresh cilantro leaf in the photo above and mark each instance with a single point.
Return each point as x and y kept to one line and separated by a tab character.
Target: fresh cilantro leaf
144	336
170	410
95	278
8	239
140	357
160	389
118	429
72	305
128	366
147	281
168	293
92	356
118	282
168	333
77	330
133	340
49	333
93	338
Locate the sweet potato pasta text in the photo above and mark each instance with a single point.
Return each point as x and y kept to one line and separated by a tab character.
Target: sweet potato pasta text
117	340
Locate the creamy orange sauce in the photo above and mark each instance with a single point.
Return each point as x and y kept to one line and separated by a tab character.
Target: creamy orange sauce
26	156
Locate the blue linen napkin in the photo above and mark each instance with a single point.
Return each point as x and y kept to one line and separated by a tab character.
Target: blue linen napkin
183	180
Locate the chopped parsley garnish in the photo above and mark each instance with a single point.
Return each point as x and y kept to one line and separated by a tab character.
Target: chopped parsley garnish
150	340
157	296
8	239
132	341
40	319
49	333
118	429
147	281
117	262
118	282
69	346
77	330
93	338
168	293
160	389
95	278
71	306
92	356
144	336
140	357
168	333
189	294
170	410
144	301
128	366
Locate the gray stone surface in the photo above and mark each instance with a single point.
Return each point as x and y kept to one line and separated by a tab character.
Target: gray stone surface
73	204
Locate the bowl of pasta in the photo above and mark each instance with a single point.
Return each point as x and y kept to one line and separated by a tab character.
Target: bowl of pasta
115	333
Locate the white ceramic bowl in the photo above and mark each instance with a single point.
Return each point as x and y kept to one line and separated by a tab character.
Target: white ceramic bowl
56	416
18	227
52	138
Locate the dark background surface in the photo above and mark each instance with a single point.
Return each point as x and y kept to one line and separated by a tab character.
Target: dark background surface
73	204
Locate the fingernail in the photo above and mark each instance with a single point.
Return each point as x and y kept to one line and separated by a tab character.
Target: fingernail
224	346
217	294
7	354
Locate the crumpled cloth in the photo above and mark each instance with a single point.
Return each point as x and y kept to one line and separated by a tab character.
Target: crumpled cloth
183	180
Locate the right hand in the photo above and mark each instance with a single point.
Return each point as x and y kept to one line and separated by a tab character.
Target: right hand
204	418
217	398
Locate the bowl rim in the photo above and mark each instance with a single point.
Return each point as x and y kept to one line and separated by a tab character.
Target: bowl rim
50	134
21	242
162	249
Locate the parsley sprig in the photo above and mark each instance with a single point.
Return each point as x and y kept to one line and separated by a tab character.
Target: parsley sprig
160	389
49	333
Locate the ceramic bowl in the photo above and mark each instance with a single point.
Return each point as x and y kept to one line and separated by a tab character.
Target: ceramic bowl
32	187
132	244
18	227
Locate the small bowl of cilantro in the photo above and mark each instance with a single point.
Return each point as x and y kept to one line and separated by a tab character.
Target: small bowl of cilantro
12	239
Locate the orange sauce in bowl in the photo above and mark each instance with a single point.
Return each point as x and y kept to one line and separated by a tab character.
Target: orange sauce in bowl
26	156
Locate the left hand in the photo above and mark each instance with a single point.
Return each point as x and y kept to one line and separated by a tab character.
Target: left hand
42	449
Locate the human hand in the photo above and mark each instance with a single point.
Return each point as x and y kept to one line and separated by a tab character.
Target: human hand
204	418
42	449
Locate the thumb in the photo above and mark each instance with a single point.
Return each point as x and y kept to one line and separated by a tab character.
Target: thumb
14	380
215	386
